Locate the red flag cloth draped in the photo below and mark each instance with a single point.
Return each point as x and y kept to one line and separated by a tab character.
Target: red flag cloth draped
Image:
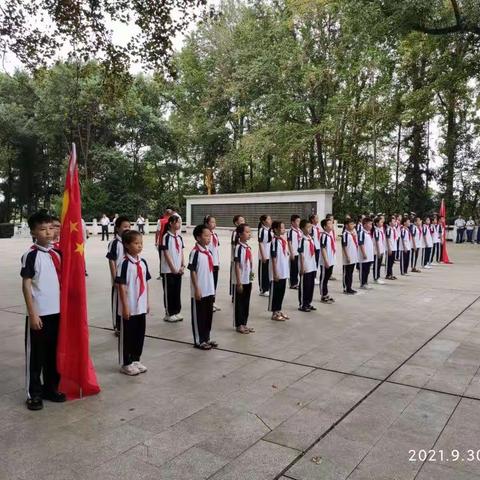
443	213
77	373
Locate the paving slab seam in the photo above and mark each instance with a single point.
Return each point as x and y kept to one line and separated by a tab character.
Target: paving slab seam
368	394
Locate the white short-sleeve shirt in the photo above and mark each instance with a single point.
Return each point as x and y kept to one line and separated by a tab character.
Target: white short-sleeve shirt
307	251
350	246
365	239
199	262
173	244
279	251
327	242
243	256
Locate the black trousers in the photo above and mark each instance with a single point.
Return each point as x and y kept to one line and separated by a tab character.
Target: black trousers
426	255
41	357
317	257
306	288
263	278
241	305
365	272
404	261
325	274
116	319
348	277
437	252
414	257
130	341
277	293
202	314
377	266
141	229
294	271
460	234
104	232
216	268
397	252
172	289
390	262
470	236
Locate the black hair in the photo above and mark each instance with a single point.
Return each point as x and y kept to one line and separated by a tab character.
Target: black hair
323	223
329	216
120	220
171	220
54	218
239	230
294	217
377	219
366	220
276	224
360	218
129	236
261	220
198	230
404	220
348	220
236	217
304	222
390	218
207	218
311	218
38	218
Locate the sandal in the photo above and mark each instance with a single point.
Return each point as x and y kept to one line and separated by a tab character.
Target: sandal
250	329
204	346
213	343
278	317
242	329
286	317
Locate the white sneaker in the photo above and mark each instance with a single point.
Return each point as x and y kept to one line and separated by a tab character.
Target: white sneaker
130	369
317	281
169	318
140	367
216	308
178	317
368	287
428	267
380	281
266	294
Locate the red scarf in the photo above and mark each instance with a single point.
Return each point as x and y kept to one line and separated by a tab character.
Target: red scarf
248	253
141	281
311	245
55	259
332	241
215	239
299	234
284	245
208	254
319	233
420	232
354	238
394	230
177	243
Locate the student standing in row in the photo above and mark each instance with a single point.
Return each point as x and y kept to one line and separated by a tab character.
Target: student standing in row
132	280
391	237
405	245
115	256
350	255
316	233
214	247
379	249
264	240
279	271
436	230
202	288
172	267
417	243
243	279
294	236
41	268
365	244
237	220
428	244
327	259
308	268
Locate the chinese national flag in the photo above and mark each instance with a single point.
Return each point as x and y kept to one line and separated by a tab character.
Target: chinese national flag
74	365
443	213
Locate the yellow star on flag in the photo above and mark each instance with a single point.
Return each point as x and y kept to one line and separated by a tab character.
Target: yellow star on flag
79	248
73	227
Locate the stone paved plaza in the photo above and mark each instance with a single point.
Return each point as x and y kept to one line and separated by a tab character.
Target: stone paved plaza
344	392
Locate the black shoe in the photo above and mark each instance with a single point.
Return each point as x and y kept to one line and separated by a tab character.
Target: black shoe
303	309
34	403
57	397
311	307
350	292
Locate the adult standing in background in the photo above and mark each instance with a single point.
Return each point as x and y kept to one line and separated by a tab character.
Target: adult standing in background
104	222
470	225
460	226
141	224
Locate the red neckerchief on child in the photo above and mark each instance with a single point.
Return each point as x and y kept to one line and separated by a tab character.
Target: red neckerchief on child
141	281
215	239
332	241
311	245
354	238
394	233
248	253
284	245
55	259
177	243
319	232
298	232
420	232
208	254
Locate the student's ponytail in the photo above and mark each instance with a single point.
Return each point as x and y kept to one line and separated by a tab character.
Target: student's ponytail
261	220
